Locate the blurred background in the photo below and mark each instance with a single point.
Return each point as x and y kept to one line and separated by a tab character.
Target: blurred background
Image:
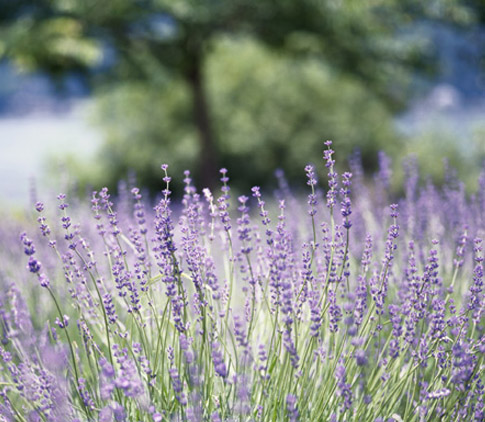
93	92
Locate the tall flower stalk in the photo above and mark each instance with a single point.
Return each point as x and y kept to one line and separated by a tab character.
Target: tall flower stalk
331	306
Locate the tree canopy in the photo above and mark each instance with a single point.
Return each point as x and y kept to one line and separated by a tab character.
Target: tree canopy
231	82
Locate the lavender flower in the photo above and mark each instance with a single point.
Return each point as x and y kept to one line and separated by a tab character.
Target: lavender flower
332	175
344	389
33	265
185	312
476	296
312	198
346	209
218	360
291	408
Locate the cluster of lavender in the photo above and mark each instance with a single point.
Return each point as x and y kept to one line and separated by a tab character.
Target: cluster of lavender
344	307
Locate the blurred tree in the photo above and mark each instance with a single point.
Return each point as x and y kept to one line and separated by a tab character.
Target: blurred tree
269	111
162	47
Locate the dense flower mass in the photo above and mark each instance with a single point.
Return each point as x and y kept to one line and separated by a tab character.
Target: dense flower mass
342	304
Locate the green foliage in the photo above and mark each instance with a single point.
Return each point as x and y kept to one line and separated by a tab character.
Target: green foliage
439	156
247	84
59	45
145	126
269	111
276	112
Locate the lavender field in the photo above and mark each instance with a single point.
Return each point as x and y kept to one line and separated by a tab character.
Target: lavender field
340	302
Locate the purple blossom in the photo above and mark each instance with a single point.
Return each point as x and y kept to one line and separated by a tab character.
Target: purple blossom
334	311
312	198
383	177
29	248
332	175
64	323
476	295
223	204
343	389
218	360
215	417
177	386
33	265
159	337
128	380
346	206
360	357
85	395
291	408
244	228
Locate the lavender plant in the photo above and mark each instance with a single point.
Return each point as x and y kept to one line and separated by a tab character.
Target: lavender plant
344	307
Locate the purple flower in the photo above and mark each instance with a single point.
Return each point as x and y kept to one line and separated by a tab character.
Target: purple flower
460	248
334	311
332	175
383	177
285	283
244	228
177	386
346	206
215	417
33	265
64	323
343	389
39	206
315	315
118	412
476	296
29	248
360	357
106	368
218	360
312	198
106	414
128	379
109	308
43	280
291	408
85	395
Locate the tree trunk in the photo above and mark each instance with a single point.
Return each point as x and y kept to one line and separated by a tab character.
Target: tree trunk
208	156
